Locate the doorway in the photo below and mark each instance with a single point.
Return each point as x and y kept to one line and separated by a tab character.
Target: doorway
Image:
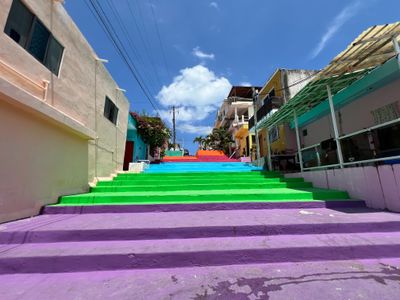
129	150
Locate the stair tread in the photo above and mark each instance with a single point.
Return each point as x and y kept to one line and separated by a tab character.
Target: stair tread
211	244
198	219
337	279
282	191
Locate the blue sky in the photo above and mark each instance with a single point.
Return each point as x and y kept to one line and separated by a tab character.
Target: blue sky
189	52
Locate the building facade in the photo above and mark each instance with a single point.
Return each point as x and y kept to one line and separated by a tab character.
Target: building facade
135	148
278	90
63	118
234	116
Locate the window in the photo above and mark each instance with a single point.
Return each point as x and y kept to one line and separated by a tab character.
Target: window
29	32
271	93
19	23
110	111
273	134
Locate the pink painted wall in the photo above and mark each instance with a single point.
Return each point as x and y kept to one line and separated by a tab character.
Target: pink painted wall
354	116
378	186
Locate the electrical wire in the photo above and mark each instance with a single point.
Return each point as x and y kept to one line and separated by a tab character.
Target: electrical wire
100	16
159	39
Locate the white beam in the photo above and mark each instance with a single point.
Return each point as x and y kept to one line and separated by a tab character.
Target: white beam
396	48
335	129
296	125
269	158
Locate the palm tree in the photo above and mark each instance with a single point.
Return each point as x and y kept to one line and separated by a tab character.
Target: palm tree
220	139
199	140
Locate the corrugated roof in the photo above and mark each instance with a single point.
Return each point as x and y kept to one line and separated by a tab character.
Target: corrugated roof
370	49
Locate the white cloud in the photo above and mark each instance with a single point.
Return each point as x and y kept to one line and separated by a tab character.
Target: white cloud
187	114
245	83
214	5
195	129
347	13
196	86
197	92
202	55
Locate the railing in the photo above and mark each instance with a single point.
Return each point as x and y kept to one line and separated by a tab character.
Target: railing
24	82
239	99
270	103
375	144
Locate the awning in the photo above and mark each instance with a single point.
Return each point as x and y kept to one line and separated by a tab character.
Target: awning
369	50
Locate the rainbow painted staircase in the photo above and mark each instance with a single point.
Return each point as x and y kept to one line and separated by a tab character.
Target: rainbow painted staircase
218	231
201	183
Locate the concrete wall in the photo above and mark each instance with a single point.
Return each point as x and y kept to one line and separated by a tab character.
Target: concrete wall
352	117
378	186
75	97
39	161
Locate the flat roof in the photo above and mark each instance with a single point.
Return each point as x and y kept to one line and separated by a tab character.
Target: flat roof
242	91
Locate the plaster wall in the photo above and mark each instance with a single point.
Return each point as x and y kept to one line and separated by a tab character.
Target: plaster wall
352	117
77	94
378	186
39	161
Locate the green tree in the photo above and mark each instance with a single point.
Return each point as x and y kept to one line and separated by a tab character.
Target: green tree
153	132
218	139
200	140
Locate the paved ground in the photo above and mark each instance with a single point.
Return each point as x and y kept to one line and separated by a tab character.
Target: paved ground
317	253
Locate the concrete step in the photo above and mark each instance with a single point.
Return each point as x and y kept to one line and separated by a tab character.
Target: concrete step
199	196
171	253
121	208
203	180
348	279
182	225
195	186
202	174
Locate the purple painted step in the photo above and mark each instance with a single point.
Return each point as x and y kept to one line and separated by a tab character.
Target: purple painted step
176	225
348	279
92	209
112	255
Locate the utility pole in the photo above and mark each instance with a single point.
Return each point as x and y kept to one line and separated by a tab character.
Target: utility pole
174	127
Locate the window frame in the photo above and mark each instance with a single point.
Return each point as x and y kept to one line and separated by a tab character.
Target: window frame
112	108
28	41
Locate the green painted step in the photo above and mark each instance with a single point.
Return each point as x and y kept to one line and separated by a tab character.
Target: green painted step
202	186
124	176
166	182
201	196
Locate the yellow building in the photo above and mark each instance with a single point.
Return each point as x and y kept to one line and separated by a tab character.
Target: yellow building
279	89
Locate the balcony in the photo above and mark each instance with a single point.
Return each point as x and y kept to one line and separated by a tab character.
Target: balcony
238	122
269	104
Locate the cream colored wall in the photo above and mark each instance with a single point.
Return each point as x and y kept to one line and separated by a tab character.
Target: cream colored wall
74	93
39	161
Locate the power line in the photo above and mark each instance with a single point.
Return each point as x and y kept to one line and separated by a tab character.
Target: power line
105	23
159	39
135	51
145	42
295	83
